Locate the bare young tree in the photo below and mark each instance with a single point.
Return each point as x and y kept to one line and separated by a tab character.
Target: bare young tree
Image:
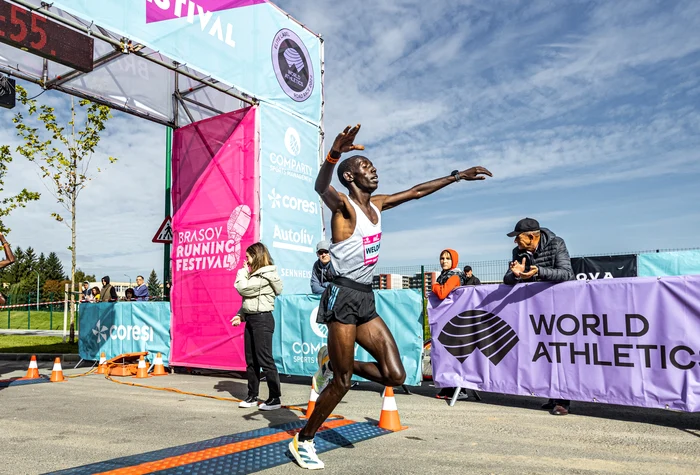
63	157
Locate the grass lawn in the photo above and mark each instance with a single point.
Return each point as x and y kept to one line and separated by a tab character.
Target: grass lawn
35	344
33	320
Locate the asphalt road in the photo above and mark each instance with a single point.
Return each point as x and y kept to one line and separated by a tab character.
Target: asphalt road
46	427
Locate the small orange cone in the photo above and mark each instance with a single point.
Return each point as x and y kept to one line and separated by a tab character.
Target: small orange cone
33	371
57	372
158	368
312	403
142	370
389	418
102	365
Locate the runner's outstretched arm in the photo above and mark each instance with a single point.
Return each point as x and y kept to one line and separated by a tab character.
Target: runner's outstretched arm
385	202
9	257
343	143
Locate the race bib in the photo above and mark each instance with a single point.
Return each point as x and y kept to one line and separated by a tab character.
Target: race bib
371	245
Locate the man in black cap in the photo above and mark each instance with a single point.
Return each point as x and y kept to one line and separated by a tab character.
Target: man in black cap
322	272
540	256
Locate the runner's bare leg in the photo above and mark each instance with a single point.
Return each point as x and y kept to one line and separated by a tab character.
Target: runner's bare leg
341	351
373	336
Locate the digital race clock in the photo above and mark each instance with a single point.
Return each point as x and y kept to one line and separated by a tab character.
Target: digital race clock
44	37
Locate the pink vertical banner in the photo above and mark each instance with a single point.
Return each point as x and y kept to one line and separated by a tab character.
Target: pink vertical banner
216	217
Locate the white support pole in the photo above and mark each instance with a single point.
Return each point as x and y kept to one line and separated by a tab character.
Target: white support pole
65	314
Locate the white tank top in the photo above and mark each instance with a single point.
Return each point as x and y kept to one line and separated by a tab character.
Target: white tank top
356	257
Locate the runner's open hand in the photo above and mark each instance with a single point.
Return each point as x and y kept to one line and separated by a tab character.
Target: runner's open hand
474	173
344	141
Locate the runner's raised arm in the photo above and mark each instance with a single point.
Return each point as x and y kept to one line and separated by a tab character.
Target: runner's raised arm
343	143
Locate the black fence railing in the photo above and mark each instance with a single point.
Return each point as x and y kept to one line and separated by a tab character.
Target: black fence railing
494	270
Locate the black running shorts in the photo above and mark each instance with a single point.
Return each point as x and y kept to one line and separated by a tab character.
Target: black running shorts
348	302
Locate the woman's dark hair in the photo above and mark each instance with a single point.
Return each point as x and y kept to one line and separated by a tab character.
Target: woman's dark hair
95	290
129	291
260	256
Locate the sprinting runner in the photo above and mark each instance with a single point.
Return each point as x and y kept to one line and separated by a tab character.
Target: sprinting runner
347	305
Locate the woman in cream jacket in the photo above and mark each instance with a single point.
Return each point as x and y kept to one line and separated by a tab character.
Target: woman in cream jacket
258	283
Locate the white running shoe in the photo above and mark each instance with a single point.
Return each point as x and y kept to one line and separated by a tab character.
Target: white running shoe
305	454
323	375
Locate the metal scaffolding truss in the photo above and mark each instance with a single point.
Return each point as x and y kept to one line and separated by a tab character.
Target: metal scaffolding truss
127	76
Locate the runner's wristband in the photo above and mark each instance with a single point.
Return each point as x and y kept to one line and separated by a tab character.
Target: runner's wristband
331	159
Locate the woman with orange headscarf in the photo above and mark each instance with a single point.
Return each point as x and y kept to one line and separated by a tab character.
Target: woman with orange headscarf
449	279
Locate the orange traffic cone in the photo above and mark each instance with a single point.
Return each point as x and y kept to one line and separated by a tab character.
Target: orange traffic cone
102	365
142	370
312	402
33	371
389	418
158	368
57	372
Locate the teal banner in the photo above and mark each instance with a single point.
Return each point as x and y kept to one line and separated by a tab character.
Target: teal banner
661	264
249	44
124	327
298	337
290	209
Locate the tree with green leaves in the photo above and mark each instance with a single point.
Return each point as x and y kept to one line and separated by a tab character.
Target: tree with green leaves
53	268
10	203
81	276
64	157
154	290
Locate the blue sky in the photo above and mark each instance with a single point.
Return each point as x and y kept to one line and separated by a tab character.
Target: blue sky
587	113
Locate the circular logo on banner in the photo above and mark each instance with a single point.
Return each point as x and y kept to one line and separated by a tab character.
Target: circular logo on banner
320	330
292	65
292	141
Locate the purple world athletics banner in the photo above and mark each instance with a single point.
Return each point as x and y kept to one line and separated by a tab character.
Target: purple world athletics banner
633	341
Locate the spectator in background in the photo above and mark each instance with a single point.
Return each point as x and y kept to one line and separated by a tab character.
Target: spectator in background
9	259
471	278
322	272
129	294
108	293
540	255
449	279
167	286
85	292
141	290
94	295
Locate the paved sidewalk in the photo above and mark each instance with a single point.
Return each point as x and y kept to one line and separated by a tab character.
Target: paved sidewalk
32	332
52	426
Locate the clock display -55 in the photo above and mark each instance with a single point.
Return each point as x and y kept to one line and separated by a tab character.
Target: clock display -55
44	37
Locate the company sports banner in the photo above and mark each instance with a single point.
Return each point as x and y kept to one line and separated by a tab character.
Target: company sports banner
298	337
216	217
124	327
604	267
632	342
290	207
249	44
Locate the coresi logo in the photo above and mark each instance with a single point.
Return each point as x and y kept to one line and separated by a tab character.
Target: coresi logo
292	202
474	329
123	332
292	141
